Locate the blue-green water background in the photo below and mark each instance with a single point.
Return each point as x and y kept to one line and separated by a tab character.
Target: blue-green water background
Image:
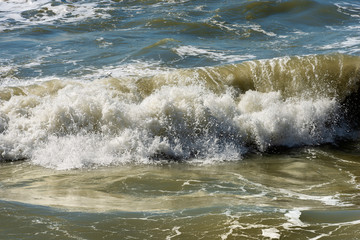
74	39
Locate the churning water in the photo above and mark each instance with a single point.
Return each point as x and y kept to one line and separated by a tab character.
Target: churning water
179	119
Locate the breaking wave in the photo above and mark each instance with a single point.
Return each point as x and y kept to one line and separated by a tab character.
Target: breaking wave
201	114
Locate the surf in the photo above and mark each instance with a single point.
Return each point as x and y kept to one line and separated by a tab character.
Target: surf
202	114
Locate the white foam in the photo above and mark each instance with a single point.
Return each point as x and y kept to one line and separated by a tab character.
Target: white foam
326	200
176	233
94	123
350	42
337	226
272	120
293	219
188	50
271	233
257	28
72	152
64	12
350	9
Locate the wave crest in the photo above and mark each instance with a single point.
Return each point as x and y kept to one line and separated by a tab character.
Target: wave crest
203	114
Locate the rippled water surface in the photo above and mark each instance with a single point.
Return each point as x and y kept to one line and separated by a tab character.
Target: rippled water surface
179	119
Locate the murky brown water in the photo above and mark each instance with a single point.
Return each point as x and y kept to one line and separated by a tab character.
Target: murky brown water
308	193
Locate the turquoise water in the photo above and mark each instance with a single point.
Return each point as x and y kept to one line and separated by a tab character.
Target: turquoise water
179	119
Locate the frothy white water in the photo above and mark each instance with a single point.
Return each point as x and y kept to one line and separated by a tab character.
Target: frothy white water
293	217
38	12
103	123
184	51
271	233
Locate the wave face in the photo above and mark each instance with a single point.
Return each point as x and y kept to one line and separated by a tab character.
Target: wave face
302	11
198	115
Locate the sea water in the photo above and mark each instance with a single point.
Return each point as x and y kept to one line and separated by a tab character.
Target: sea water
179	119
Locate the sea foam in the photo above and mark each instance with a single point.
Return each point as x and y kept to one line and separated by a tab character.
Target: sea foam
171	116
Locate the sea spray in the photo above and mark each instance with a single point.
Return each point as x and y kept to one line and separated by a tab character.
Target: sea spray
217	113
